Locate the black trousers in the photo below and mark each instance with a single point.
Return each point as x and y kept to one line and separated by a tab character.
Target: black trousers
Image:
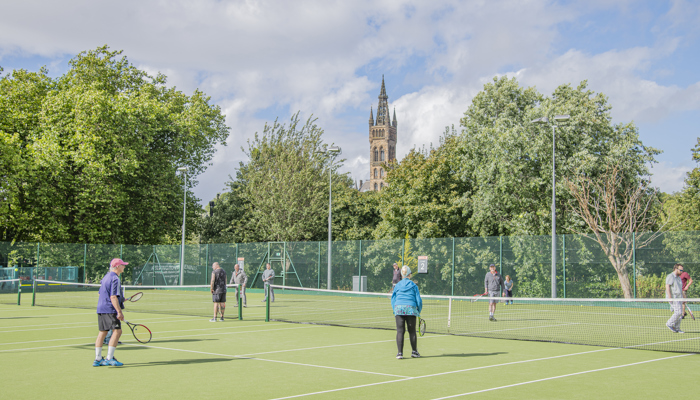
403	322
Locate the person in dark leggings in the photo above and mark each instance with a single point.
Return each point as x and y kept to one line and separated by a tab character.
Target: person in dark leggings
407	305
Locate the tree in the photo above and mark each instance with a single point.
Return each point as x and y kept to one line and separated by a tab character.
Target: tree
683	208
102	144
285	183
228	208
613	208
508	161
355	214
422	199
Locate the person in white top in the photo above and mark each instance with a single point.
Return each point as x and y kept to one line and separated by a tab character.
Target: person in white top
674	290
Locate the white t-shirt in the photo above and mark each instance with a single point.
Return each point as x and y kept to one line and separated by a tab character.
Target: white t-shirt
676	285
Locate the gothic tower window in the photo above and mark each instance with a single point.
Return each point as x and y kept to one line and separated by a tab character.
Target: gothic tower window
381	172
375	187
375	173
381	185
381	154
376	155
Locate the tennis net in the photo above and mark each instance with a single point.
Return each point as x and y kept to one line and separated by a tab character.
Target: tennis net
10	291
194	300
638	323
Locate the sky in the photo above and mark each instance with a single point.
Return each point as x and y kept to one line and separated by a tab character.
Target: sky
262	60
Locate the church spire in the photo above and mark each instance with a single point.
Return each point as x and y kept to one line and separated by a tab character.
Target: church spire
394	123
371	116
383	117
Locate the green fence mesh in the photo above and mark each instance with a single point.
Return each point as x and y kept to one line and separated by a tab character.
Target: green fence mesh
456	265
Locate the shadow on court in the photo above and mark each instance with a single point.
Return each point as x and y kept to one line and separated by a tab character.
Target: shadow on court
177	362
467	355
40	316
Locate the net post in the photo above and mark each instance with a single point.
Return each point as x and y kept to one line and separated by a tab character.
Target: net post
634	266
449	313
19	291
238	300
267	304
33	291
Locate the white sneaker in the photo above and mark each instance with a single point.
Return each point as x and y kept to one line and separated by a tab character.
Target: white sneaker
212	320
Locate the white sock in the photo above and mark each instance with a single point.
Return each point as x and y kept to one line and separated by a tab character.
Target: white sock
110	352
98	353
491	314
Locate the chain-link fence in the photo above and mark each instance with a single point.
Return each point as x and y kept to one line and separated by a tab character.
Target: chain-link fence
586	267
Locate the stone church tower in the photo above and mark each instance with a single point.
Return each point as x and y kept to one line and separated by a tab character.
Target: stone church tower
382	141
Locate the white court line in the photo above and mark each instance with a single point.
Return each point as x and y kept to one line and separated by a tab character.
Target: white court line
167	337
444	373
72	325
561	376
263	359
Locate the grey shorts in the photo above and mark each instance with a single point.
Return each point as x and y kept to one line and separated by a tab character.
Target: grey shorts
107	322
493	294
218	297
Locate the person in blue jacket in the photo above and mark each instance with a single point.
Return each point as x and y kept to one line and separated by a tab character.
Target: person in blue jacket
407	305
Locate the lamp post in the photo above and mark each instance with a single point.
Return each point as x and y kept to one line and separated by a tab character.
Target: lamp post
184	213
332	150
545	120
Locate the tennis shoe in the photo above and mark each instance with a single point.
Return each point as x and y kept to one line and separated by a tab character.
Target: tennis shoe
415	354
99	362
399	356
114	363
212	320
679	331
222	319
674	330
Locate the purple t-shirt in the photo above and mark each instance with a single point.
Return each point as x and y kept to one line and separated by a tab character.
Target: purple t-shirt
110	286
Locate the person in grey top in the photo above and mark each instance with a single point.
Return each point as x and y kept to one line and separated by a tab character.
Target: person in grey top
674	290
397	276
493	285
269	279
241	279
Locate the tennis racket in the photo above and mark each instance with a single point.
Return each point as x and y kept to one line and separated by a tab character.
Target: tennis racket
690	312
141	333
135	297
421	326
476	296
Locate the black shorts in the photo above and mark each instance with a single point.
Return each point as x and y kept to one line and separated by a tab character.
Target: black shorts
218	297
107	322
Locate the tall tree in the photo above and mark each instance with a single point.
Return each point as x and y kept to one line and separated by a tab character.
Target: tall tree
103	148
422	199
683	208
285	183
508	160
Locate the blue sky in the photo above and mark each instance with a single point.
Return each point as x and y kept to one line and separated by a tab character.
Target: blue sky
265	59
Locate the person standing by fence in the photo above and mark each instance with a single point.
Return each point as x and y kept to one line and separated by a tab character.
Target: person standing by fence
687	281
493	284
241	279
269	279
397	276
674	290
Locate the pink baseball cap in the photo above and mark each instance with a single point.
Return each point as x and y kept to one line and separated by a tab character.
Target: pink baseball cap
117	262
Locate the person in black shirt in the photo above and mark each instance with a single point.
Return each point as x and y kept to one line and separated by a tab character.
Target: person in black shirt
218	291
397	276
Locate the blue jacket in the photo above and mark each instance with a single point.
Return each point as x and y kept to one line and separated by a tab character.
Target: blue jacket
406	294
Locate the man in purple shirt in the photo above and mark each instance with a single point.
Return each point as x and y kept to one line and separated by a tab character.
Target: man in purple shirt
109	313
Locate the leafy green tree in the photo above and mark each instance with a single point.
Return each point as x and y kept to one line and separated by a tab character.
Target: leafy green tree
683	208
355	213
508	161
422	199
220	225
285	183
102	145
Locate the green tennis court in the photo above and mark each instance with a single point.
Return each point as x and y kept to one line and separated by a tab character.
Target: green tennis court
190	357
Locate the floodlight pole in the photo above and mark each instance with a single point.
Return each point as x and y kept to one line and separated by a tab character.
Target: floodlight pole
184	214
544	120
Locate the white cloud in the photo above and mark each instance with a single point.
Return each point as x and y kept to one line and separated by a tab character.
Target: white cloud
325	58
669	178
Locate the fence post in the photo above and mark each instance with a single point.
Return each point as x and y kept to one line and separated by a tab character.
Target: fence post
121	251
500	255
453	268
359	269
403	250
634	266
563	260
36	267
85	263
206	262
318	272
